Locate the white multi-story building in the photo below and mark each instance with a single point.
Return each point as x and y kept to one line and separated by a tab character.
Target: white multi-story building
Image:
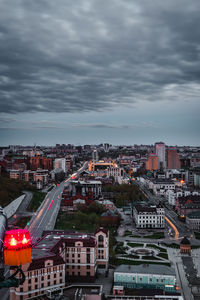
149	217
116	172
60	163
172	195
160	152
160	185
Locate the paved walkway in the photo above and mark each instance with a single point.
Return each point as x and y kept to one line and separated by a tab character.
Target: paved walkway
175	258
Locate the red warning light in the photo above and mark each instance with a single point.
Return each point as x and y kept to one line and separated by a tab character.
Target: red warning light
17	247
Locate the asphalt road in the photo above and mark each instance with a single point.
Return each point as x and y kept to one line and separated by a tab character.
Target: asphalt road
45	217
181	227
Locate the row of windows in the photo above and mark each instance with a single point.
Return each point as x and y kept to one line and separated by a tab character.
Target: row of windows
78	274
42	285
42	277
76	249
78	267
47	270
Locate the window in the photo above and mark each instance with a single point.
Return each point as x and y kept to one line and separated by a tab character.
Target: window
72	267
54	282
88	258
48	277
54	275
79	255
42	278
21	289
36	280
29	281
88	249
72	255
88	266
79	274
79	261
42	285
73	261
88	273
79	267
48	283
133	278
100	238
60	280
36	286
60	274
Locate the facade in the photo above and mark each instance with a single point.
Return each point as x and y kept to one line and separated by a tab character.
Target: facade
185	246
173	160
109	217
116	172
161	185
93	166
95	156
15	174
84	192
60	163
160	152
39	162
152	162
149	217
172	195
46	271
187	205
145	277
193	220
61	257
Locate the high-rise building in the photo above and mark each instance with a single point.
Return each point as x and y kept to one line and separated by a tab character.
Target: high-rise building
95	155
173	160
152	162
160	151
60	163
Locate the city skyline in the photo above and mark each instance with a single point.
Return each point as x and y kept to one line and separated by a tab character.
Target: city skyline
90	72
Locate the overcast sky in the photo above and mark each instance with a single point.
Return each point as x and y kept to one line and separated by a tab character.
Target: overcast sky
92	71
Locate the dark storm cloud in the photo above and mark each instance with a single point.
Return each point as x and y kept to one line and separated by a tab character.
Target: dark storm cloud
71	56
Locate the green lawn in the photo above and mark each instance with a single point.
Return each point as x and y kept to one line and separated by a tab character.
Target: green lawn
127	233
163	255
156	235
156	247
117	262
150	257
135	245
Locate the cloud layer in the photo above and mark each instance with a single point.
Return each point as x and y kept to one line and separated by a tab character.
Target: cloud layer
72	56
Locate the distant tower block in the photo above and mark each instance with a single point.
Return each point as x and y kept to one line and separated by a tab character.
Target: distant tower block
160	152
95	155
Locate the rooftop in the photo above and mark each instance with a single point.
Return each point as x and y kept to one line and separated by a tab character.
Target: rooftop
146	269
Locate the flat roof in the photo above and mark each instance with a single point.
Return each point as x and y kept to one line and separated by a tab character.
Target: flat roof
146	269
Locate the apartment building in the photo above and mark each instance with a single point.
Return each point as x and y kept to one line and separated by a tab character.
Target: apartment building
61	257
46	271
149	217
